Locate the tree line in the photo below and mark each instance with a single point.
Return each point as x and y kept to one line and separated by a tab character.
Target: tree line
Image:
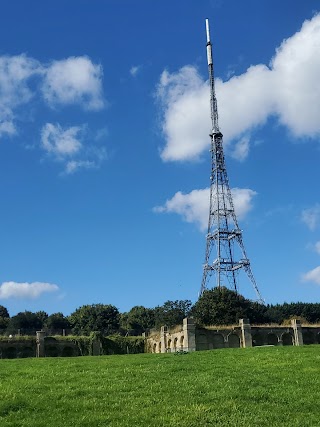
218	306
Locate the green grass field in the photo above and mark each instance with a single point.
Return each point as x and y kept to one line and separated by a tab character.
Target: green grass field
270	386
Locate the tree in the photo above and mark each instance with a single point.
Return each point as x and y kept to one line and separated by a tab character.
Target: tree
137	320
26	321
95	317
221	306
4	319
42	316
172	313
57	322
4	312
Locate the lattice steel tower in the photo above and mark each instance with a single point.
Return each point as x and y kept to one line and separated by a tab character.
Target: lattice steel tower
225	251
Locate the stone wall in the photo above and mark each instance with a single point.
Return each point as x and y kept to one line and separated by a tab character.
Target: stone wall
188	337
42	346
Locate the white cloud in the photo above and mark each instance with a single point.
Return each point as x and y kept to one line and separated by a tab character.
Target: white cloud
7	127
246	101
240	150
184	98
15	74
61	142
194	206
311	217
25	290
75	80
67	145
312	276
134	70
74	165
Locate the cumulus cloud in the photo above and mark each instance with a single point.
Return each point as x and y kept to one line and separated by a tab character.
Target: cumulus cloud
66	145
312	276
75	80
193	206
25	290
61	142
245	101
15	76
311	217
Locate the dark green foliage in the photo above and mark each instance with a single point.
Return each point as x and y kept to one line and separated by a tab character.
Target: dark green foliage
27	322
118	344
138	320
222	306
95	317
281	312
172	313
42	316
56	322
4	312
4	319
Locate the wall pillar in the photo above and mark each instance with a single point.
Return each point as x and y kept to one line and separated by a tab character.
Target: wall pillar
163	338
40	343
245	332
297	331
189	333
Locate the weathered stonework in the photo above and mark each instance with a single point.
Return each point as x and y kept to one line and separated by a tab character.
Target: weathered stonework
188	337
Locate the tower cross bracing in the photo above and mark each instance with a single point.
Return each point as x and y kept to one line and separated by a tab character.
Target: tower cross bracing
225	252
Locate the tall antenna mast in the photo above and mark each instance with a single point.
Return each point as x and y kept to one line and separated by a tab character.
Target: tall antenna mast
224	236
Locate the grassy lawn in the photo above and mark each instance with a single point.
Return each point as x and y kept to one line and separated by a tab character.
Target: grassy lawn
270	386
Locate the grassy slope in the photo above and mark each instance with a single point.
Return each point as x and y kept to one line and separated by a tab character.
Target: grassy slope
231	387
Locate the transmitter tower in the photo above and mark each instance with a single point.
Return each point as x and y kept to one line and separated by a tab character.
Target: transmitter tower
225	252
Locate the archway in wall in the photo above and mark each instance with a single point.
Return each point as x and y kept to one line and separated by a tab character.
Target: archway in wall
159	346
308	338
318	338
169	346
257	340
272	339
218	341
51	351
9	353
287	339
68	352
233	341
175	344
154	348
27	352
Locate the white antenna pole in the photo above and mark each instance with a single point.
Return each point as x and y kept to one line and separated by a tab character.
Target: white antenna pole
209	48
208	32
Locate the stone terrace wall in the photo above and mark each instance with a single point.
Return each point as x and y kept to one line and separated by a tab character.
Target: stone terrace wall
188	337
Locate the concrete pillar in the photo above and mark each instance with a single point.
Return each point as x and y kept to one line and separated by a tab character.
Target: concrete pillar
40	343
245	332
163	338
189	333
297	331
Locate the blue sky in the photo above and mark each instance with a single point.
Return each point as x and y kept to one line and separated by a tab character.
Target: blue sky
104	163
